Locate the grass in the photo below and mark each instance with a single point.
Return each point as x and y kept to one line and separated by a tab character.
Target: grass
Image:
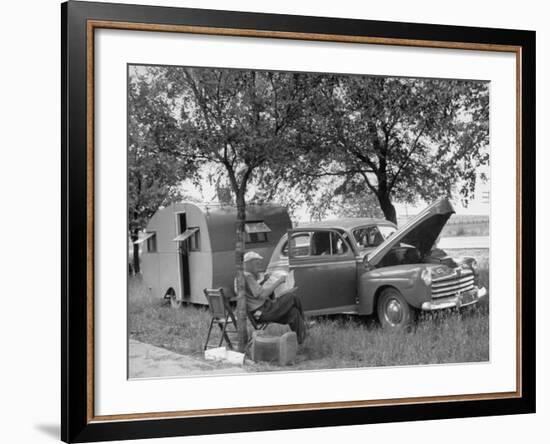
155	322
450	336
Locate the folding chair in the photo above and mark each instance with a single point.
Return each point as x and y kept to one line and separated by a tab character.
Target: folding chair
222	315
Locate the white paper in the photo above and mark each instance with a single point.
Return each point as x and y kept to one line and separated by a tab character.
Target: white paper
286	286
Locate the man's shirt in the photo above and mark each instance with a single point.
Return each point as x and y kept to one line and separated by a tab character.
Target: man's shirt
252	290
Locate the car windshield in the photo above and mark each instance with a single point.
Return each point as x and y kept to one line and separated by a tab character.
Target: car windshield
373	235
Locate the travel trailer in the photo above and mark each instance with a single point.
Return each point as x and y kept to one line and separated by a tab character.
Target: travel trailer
188	247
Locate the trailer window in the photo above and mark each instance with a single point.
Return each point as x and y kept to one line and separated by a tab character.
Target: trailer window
194	241
255	238
152	243
190	239
256	231
149	240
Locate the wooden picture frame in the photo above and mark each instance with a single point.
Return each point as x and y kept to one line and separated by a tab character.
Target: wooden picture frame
79	22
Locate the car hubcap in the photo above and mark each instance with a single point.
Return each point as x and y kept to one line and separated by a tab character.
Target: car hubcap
394	312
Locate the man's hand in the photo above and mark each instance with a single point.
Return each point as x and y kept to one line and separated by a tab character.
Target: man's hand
266	290
265	278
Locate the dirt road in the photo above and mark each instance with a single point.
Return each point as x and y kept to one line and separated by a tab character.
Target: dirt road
148	361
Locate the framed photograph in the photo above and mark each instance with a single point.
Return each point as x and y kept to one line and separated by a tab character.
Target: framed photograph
275	221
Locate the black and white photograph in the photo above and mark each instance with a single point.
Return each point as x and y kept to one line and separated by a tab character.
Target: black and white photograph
295	221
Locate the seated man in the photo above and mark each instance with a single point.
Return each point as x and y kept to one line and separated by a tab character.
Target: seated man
286	309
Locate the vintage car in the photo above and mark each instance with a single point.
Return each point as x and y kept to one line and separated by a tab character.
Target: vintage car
365	266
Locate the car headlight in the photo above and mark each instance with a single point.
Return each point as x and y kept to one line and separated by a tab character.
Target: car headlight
426	276
470	264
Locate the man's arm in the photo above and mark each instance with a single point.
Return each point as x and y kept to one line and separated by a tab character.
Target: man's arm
262	291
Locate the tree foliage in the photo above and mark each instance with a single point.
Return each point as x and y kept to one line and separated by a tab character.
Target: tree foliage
241	122
400	139
154	170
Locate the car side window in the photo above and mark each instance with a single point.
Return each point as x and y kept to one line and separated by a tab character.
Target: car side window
328	243
300	245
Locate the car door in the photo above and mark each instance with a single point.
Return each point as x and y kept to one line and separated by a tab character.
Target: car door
325	274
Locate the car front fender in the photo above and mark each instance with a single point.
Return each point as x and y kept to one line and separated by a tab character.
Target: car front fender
405	278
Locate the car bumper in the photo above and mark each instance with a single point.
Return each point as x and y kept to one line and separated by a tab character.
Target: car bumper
460	300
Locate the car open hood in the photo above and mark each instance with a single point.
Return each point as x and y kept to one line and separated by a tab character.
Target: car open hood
421	232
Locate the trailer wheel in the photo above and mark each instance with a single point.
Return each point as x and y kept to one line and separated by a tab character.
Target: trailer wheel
171	296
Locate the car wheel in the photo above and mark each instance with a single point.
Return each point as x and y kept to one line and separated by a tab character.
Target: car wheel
393	310
174	301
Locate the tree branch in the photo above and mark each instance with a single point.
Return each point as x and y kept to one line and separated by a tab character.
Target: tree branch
367	181
407	158
325	173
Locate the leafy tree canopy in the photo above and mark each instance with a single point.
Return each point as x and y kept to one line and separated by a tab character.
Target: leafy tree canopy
401	139
154	171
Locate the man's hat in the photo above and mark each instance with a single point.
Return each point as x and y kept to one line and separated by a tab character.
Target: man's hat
250	255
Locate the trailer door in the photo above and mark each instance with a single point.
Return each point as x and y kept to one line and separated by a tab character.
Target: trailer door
185	233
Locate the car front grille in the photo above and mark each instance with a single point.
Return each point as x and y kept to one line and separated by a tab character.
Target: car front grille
461	280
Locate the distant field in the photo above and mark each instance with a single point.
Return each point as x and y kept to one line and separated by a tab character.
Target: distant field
335	341
468	227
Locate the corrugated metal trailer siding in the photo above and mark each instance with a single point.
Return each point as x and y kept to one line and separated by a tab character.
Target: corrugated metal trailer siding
160	268
221	225
213	265
222	228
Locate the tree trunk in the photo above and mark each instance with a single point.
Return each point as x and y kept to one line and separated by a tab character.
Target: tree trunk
239	253
387	208
135	250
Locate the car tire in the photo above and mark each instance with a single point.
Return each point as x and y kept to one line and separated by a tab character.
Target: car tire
171	296
174	302
393	311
